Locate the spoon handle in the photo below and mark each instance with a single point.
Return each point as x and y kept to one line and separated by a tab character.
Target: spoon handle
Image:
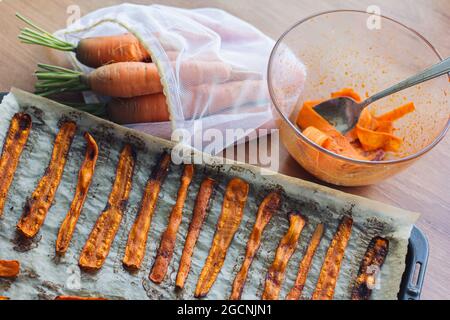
432	72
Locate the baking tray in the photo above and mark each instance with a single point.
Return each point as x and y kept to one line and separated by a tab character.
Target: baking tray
416	263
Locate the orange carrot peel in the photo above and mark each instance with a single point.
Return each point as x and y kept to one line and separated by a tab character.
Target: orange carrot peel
41	200
85	176
137	239
285	250
16	138
9	268
229	221
167	245
267	209
372	133
198	218
335	254
305	264
371	264
99	243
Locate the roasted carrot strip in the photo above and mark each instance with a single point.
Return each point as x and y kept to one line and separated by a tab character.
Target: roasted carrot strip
333	259
9	268
4	298
229	221
137	239
198	217
167	245
84	181
41	200
18	133
102	235
287	246
305	265
267	209
78	298
371	264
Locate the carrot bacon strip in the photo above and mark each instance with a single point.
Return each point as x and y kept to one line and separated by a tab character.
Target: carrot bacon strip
4	298
9	268
102	235
84	181
18	133
229	221
267	209
333	259
165	251
305	264
198	217
41	200
137	239
75	298
372	262
286	248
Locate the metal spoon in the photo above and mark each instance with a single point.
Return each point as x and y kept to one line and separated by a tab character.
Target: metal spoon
344	112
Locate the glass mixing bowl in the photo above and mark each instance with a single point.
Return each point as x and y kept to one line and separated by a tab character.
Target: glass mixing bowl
342	49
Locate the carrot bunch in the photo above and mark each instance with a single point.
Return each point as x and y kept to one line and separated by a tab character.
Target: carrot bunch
369	140
123	70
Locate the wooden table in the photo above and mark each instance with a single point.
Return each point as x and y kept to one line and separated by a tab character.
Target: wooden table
423	188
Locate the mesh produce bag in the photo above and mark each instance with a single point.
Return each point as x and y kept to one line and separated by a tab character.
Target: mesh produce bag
212	66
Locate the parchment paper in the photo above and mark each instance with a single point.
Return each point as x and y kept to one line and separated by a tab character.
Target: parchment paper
43	276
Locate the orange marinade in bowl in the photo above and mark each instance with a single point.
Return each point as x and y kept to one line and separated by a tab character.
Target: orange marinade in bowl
349	49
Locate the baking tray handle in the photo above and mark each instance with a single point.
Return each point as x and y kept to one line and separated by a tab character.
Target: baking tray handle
416	265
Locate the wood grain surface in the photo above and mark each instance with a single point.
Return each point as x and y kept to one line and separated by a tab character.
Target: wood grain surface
422	188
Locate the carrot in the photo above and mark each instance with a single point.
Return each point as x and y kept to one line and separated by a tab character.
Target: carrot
154	108
99	51
197	72
305	264
397	113
123	79
213	99
372	262
230	219
169	237
85	177
77	298
98	245
41	200
92	52
316	136
9	268
308	117
285	250
198	218
332	265
369	140
148	108
15	141
138	236
268	207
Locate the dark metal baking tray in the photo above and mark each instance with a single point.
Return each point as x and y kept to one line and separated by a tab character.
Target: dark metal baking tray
416	262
